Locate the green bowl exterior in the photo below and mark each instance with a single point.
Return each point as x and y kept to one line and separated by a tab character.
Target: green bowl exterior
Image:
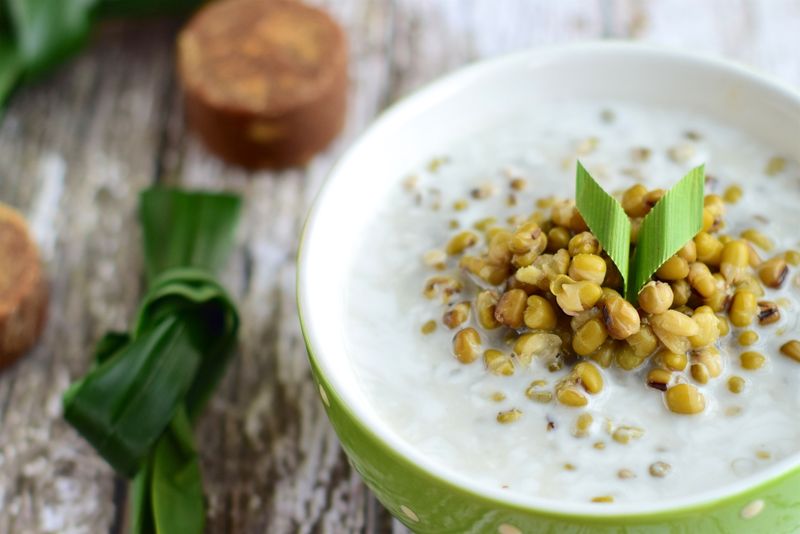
426	503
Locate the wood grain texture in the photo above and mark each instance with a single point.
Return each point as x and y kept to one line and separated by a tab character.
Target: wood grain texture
76	148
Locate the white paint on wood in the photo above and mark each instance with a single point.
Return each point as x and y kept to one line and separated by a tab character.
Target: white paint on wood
44	212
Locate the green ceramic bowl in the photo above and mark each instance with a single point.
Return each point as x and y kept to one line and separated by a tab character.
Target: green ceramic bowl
430	498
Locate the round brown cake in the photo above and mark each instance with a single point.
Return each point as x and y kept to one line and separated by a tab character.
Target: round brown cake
23	290
265	81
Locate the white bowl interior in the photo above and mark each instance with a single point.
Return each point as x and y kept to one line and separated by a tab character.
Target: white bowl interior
474	99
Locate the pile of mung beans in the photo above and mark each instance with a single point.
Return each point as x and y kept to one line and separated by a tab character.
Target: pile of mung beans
547	283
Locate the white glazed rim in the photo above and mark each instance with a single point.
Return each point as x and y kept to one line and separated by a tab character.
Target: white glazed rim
424	98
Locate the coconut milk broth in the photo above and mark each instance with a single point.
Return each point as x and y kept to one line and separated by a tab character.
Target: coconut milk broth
445	408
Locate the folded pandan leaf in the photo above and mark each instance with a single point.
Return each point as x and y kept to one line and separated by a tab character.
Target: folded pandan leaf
669	225
145	389
605	218
673	222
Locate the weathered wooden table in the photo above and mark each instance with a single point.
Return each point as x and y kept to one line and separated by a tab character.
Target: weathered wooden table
75	149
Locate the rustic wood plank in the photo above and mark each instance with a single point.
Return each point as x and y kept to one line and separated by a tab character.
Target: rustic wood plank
75	150
760	34
432	38
775	27
720	27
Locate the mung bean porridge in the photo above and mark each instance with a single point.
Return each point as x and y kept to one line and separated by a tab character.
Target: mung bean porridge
481	334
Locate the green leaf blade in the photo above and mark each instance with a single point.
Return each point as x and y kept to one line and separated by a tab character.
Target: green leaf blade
138	401
176	487
606	219
214	321
124	404
672	223
48	32
10	69
187	229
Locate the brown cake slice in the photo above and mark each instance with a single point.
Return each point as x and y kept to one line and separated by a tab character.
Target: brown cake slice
265	82
23	290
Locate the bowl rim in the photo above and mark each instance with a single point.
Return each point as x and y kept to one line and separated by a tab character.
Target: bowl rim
392	443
